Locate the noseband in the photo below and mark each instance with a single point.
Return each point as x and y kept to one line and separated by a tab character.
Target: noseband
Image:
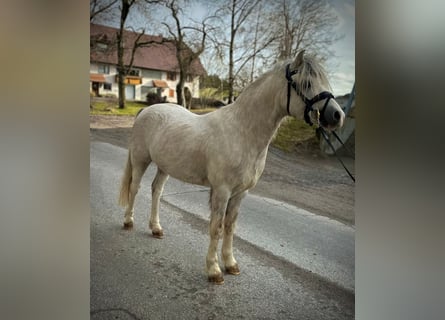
308	102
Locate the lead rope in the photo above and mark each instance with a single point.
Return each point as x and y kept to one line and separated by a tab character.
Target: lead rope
325	136
344	146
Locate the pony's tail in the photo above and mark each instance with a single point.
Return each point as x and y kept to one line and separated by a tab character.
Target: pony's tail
126	182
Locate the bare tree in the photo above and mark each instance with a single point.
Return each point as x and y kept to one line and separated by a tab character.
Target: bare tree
125	7
184	53
124	68
253	44
304	24
125	43
239	11
264	32
248	36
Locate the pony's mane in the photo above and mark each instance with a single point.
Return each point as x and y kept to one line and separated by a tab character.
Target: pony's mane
311	70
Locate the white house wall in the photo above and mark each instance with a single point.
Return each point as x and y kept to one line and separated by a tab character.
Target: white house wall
146	81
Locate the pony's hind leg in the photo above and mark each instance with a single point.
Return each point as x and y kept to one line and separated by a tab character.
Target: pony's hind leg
218	205
137	171
229	228
157	187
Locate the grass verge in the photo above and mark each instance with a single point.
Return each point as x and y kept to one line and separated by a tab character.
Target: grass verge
110	107
294	133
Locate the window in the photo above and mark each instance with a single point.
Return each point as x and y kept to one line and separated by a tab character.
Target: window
171	76
189	78
134	72
103	68
153	74
107	86
171	93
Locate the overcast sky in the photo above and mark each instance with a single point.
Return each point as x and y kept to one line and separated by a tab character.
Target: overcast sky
341	67
343	73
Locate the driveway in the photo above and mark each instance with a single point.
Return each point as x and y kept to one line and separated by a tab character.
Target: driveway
294	264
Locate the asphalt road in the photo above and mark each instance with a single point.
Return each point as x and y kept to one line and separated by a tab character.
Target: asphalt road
294	264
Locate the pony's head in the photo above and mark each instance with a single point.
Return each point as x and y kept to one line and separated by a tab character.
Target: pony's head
307	78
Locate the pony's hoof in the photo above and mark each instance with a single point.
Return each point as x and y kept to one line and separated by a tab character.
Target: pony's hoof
128	225
233	270
159	234
217	279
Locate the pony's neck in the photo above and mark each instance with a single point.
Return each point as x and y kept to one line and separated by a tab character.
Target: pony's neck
260	109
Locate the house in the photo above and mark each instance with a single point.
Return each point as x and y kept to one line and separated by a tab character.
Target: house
155	67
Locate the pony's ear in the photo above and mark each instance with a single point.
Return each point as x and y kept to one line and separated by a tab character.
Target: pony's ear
298	60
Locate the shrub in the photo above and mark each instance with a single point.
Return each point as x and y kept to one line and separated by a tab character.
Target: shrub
153	98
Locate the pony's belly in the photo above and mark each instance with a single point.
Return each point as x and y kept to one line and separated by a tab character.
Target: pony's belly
188	176
193	180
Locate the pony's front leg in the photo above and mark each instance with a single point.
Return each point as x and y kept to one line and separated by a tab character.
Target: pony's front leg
218	204
229	228
157	187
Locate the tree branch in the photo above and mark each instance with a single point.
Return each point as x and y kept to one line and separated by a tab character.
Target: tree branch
96	9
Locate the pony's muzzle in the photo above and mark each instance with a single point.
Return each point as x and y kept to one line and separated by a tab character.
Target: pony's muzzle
333	117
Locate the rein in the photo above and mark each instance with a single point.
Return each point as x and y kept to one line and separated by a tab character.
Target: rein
308	108
325	136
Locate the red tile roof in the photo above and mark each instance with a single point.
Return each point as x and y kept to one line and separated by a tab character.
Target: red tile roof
156	56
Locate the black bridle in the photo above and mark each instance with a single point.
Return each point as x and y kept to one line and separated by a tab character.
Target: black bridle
308	108
308	102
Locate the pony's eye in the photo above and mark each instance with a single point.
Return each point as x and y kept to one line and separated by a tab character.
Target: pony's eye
306	84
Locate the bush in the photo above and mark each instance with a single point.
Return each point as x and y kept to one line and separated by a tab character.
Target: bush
153	98
206	103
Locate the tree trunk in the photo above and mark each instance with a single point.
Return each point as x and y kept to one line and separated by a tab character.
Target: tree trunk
120	70
180	86
121	87
125	9
179	91
255	44
231	48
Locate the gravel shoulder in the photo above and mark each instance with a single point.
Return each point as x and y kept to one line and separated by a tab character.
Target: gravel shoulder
307	179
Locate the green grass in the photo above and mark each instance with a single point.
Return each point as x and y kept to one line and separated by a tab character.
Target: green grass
111	107
293	132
